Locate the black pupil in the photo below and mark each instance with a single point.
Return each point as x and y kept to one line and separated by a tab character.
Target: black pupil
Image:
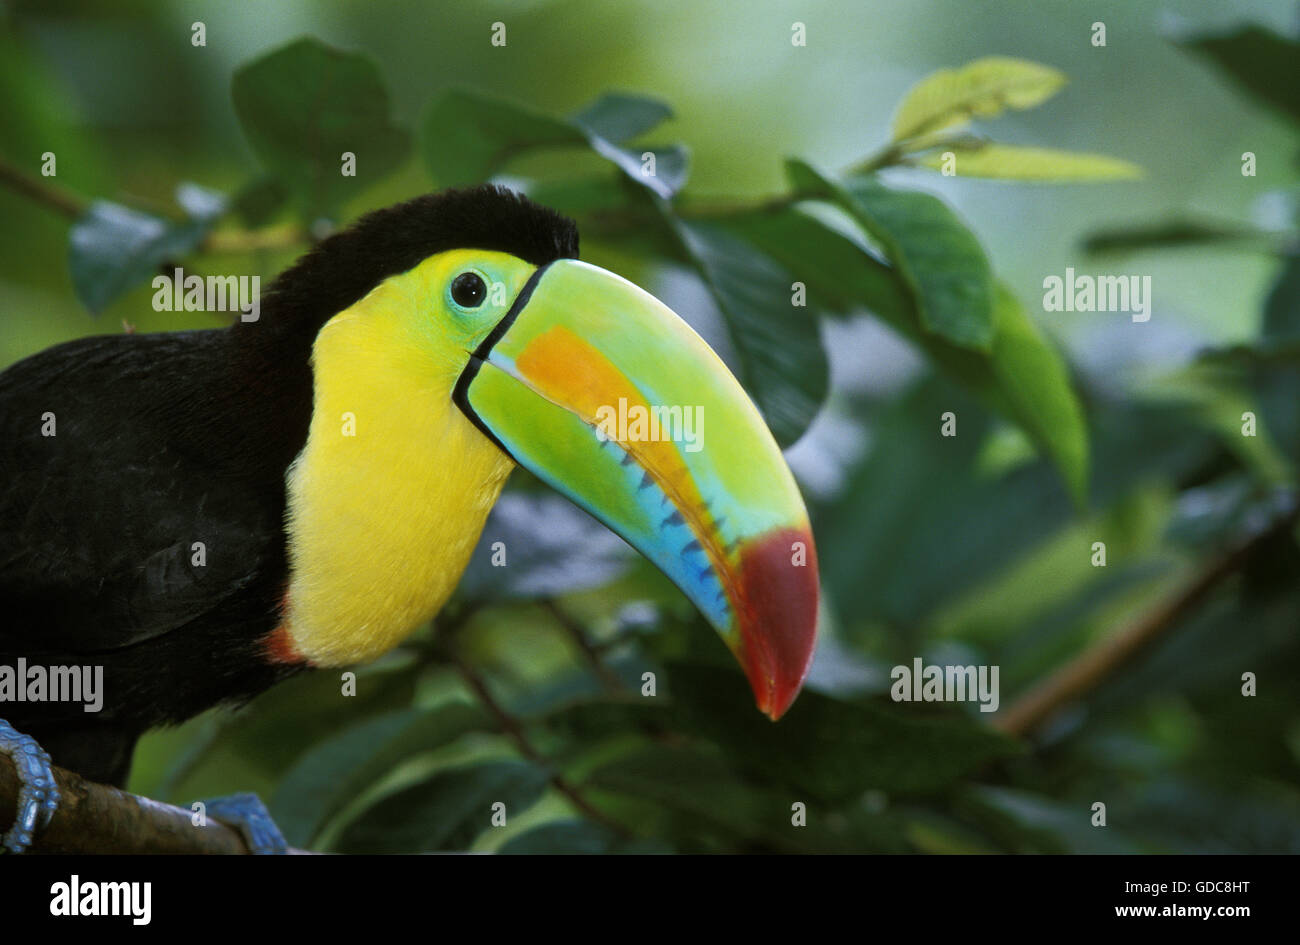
468	290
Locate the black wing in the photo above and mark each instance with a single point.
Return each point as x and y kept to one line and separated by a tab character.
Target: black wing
141	488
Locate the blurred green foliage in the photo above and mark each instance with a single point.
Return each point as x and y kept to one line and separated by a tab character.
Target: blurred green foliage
975	549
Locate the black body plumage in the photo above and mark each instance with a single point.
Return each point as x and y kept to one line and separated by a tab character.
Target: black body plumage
165	440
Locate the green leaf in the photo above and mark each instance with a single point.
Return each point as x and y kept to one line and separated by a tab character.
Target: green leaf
1178	815
336	771
826	749
617	117
1277	384
830	748
980	89
284	723
1029	823
840	273
581	196
705	804
938	258
578	837
777	346
468	136
1015	162
42	114
1282	353
302	106
260	200
1034	385
1261	61
445	811
1025	378
112	248
670	168
1269	367
964	526
1172	234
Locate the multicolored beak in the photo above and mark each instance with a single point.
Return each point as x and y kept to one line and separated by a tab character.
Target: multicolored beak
608	396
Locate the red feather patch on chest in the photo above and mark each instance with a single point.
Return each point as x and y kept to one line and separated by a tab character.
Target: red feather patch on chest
280	647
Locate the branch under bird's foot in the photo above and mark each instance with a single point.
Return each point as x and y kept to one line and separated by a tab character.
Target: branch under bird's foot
38	793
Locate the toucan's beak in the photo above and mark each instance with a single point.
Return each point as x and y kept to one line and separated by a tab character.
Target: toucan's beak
607	395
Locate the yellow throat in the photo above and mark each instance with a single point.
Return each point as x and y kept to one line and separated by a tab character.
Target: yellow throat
388	497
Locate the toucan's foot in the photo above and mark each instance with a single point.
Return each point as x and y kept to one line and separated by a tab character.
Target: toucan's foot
38	794
247	814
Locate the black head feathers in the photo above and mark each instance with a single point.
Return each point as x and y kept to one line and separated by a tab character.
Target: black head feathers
343	268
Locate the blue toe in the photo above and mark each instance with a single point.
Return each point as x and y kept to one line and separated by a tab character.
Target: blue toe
38	793
247	814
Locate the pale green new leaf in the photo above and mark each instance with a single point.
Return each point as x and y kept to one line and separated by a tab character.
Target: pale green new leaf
980	89
1014	162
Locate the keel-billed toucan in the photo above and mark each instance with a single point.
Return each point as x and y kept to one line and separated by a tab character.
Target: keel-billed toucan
337	458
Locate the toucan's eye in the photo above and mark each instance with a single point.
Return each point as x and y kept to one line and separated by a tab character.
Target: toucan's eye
468	290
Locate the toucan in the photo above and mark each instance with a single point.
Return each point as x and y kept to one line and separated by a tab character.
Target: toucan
336	458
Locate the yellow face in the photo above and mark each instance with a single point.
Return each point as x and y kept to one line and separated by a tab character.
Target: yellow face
441	310
388	497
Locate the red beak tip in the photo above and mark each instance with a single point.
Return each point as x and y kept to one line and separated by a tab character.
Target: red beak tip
779	631
774	700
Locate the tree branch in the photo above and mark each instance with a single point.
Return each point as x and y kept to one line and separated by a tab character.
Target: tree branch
578	634
1093	666
72	206
285	236
95	818
41	191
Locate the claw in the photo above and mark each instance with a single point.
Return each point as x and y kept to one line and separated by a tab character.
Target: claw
38	793
247	814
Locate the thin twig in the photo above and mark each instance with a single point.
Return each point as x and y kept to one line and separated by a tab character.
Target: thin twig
514	728
286	236
578	634
1093	666
40	190
887	156
72	206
